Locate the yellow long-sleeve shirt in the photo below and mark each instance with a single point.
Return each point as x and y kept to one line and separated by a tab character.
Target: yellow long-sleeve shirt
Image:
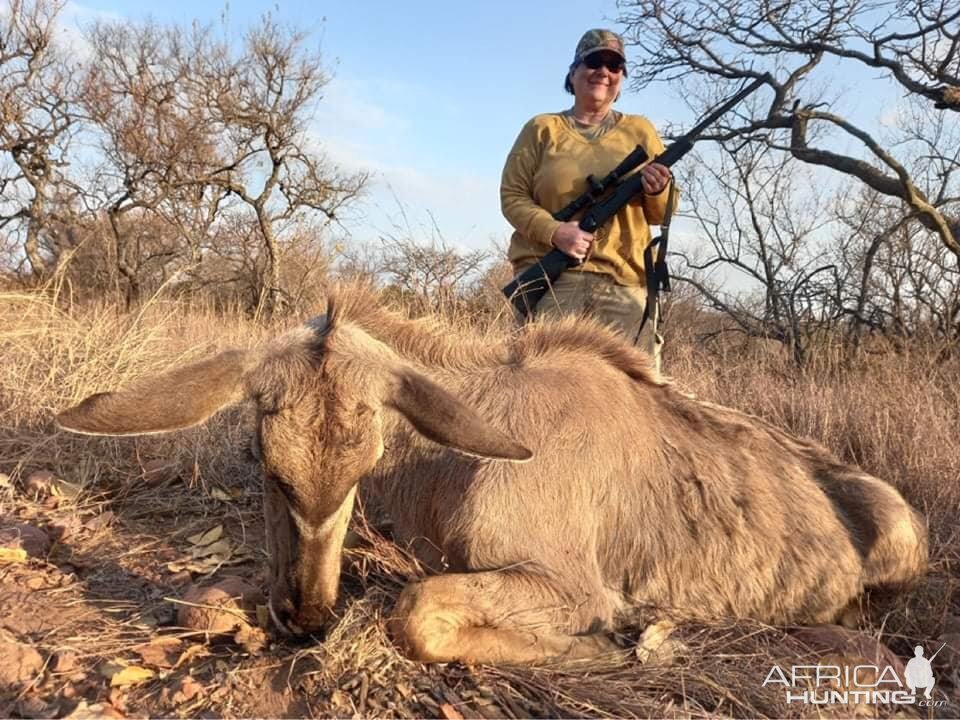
547	168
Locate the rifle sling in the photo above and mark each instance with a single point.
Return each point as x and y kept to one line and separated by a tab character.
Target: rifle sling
656	272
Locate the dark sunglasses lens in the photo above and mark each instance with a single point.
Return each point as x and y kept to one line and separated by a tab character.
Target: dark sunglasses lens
595	62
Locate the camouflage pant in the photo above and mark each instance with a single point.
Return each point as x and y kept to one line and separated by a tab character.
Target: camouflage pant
620	306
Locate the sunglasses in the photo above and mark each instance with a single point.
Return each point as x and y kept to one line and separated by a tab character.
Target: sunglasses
610	62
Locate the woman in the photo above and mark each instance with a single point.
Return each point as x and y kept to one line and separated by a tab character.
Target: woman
547	168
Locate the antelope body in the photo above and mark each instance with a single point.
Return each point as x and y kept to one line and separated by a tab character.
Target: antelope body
560	485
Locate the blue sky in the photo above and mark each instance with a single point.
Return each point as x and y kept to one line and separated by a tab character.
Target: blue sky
429	96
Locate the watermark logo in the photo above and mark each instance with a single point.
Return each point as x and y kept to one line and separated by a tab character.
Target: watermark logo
919	672
862	684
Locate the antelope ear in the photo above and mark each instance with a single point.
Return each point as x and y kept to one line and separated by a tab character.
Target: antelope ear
440	417
172	401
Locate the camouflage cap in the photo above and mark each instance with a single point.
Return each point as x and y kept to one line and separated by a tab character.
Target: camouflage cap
596	40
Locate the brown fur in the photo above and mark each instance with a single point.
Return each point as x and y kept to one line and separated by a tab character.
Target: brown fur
638	499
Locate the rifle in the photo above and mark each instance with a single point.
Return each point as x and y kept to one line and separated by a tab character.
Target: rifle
526	290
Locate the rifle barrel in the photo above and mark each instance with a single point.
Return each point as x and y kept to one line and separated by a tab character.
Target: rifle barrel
715	115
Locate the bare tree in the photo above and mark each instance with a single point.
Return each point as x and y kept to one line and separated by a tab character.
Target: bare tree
37	123
263	101
765	268
191	129
155	142
898	279
913	43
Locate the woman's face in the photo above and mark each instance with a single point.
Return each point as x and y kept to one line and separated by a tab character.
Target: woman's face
600	85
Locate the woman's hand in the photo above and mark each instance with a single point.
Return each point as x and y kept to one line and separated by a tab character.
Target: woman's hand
573	241
655	178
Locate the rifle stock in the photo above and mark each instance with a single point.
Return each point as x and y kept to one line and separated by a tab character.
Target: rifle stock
526	290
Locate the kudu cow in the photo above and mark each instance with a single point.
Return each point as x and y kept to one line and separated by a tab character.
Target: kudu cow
555	479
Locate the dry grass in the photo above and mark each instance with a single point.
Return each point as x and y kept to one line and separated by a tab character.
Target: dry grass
104	586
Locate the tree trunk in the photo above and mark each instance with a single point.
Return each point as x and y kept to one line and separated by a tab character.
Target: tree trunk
272	294
31	246
132	291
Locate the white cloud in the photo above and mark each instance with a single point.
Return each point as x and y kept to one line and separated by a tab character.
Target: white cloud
465	207
344	110
360	134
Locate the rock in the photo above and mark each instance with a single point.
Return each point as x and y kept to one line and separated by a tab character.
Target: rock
20	664
44	485
223	608
37	709
27	537
39	483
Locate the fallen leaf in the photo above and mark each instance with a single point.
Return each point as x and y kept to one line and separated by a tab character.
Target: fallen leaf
205	538
218	494
189	566
221	547
450	712
191	653
188	690
162	652
64	662
99	521
180	577
66	489
131	675
12	555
